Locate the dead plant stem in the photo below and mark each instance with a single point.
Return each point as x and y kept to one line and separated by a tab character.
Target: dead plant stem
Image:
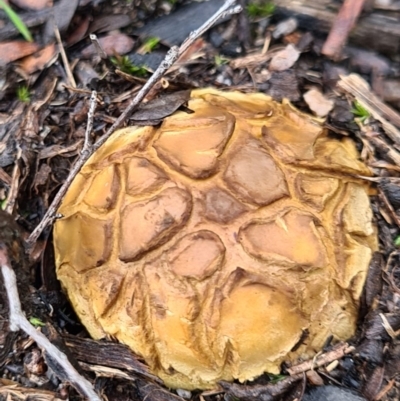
70	76
89	126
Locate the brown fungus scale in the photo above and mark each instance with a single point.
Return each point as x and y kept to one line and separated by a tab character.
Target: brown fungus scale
209	245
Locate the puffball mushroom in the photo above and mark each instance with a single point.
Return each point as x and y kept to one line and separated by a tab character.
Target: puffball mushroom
211	243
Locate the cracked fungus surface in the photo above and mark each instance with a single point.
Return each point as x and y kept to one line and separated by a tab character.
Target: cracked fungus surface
209	245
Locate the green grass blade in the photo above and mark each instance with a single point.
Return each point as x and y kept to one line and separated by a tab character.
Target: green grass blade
16	20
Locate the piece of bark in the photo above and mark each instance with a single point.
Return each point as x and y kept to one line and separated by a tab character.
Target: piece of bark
109	354
373	283
392	192
377	31
284	84
172	29
389	118
31	19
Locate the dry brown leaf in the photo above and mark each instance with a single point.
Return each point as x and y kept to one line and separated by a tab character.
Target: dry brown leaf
80	30
33	4
11	51
39	60
284	59
159	108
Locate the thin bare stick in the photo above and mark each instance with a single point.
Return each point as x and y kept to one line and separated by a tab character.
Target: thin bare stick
171	57
64	57
89	126
18	321
13	192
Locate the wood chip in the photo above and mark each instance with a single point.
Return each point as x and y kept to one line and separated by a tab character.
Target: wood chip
284	59
314	378
250	60
318	103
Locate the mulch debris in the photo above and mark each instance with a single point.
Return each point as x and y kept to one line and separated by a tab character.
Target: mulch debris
78	46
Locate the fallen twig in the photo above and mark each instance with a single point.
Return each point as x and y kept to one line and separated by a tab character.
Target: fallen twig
343	24
376	31
171	57
18	321
338	352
